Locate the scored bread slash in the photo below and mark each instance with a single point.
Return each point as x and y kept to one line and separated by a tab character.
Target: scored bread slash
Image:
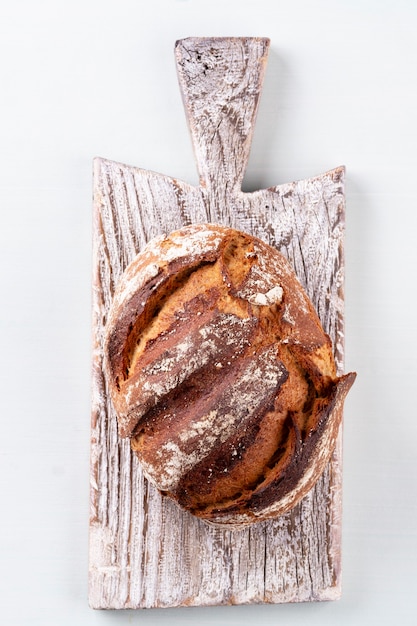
145	550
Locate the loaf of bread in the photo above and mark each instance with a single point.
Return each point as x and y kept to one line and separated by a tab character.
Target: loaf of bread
221	375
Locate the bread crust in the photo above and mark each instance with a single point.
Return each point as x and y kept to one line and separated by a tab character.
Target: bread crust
221	375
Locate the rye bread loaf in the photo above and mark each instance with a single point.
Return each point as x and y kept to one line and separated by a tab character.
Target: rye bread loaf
221	375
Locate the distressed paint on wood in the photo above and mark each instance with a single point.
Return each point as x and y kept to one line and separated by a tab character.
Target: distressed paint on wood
144	550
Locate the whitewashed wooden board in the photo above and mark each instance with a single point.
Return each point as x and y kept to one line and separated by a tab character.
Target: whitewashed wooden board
144	550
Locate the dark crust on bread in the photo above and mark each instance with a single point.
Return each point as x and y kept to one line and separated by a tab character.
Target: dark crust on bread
221	375
265	496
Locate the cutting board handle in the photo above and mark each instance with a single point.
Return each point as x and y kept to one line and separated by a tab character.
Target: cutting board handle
221	82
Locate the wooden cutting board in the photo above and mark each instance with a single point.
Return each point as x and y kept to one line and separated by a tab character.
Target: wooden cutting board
144	550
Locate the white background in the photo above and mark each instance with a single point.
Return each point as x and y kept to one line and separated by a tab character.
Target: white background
97	77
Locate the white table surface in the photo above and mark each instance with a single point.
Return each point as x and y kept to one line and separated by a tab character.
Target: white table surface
86	78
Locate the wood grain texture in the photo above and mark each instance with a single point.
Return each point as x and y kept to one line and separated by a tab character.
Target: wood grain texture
144	550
